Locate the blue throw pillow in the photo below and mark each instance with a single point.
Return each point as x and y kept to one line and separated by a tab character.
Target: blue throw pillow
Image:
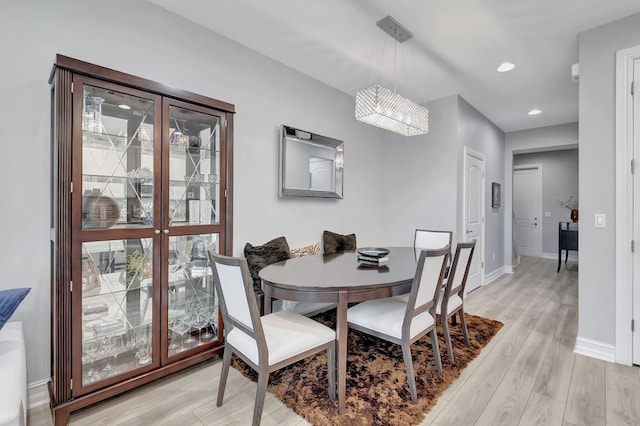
9	301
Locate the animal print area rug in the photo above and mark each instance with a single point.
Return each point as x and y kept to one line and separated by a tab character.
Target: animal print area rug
377	389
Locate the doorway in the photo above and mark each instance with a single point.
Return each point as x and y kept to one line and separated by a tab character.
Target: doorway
627	347
636	215
527	208
473	212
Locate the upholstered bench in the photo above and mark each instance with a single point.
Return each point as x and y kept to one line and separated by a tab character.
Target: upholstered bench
13	375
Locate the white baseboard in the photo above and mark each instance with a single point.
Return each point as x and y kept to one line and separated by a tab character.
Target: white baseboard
573	256
509	269
37	393
595	349
492	276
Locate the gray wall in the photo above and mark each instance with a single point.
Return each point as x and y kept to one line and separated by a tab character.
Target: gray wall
420	172
426	173
477	132
392	184
559	181
597	291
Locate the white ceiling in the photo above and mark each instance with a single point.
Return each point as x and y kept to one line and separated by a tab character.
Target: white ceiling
456	48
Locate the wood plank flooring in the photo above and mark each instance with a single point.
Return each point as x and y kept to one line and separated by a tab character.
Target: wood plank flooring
527	375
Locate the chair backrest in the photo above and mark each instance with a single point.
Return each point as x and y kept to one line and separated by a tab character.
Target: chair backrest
460	269
426	284
426	239
234	287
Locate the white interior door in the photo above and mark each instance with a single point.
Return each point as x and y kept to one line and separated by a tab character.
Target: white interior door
527	206
636	214
474	184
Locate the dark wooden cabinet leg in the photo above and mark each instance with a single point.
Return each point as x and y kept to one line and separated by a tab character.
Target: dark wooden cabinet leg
61	416
559	259
559	246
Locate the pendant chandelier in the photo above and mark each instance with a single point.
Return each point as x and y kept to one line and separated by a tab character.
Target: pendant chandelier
385	108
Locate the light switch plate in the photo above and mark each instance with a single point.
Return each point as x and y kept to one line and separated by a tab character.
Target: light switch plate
547	214
601	220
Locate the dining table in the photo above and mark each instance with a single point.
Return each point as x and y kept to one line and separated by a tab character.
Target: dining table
342	279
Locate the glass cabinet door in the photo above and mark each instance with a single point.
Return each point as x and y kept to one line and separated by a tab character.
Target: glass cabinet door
117	307
118	160
194	167
116	251
192	303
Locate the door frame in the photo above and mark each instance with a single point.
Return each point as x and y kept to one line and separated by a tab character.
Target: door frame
537	166
480	250
624	204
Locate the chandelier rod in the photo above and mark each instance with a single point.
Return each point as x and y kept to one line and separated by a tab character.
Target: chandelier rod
395	66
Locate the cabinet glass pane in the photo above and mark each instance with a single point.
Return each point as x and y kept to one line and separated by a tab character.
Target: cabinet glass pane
117	160
117	278
194	167
192	303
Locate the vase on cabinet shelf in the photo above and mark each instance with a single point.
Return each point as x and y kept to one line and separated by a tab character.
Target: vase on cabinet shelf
574	215
98	210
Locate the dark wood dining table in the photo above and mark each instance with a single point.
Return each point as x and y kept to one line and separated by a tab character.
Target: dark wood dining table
339	278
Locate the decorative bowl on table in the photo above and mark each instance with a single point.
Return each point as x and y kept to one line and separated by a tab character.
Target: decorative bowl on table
373	256
373	252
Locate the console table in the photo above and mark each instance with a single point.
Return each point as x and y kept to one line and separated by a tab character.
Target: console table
567	240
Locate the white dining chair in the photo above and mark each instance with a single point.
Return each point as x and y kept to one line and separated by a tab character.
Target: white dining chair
452	296
265	343
431	239
404	323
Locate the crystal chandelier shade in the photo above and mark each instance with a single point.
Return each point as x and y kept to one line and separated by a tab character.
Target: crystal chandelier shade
383	108
386	109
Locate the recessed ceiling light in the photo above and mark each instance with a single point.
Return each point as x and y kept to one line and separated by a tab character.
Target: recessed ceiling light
535	111
124	106
506	66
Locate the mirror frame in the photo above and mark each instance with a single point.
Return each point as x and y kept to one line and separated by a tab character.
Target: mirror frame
291	135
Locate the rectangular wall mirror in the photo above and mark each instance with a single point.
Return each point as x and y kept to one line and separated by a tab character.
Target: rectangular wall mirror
311	165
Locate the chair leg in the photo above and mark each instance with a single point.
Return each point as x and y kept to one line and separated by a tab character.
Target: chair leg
444	320
331	371
226	362
263	379
436	350
464	326
408	366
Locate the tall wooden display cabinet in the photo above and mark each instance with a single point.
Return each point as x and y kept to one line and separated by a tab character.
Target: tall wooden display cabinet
141	189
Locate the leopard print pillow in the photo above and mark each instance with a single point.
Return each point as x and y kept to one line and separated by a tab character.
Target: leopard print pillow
309	250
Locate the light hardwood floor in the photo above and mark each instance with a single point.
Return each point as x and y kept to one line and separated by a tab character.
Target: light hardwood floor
527	375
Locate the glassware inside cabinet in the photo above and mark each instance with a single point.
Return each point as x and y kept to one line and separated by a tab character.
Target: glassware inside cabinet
117	159
192	302
194	167
117	314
